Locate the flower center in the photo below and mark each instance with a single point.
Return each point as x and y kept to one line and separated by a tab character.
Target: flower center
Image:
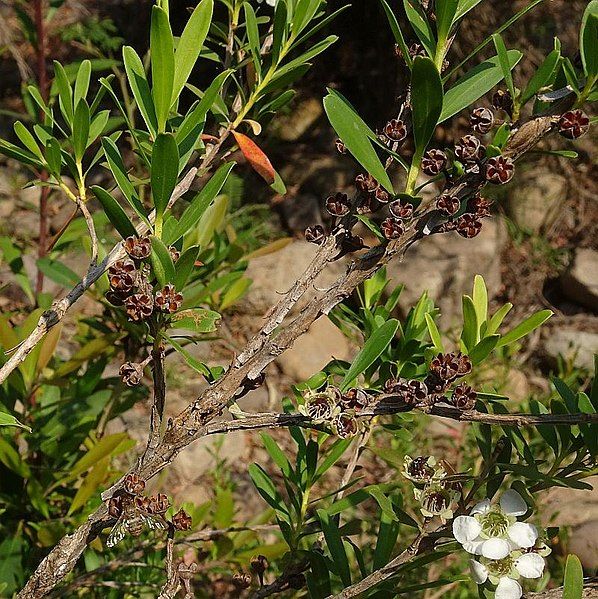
500	567
495	523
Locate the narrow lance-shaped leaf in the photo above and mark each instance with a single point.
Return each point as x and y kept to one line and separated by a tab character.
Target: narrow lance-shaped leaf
82	81
372	349
164	171
525	327
420	25
396	30
80	129
65	93
573	587
542	76
27	139
256	157
505	65
190	45
116	215
163	65
140	88
477	82
445	16
356	136
588	39
162	263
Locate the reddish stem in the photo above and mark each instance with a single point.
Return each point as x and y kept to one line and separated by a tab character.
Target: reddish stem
42	80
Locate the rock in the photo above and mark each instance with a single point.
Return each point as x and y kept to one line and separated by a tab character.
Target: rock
574	345
311	352
580	282
536	202
274	274
444	265
583	542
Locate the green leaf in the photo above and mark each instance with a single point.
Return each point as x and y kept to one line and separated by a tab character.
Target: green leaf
98	125
58	272
19	154
82	82
190	45
268	491
198	366
253	36
164	171
198	320
104	448
28	140
446	11
140	88
80	129
65	93
525	327
116	215
477	82
372	349
469	335
480	299
184	266
200	203
304	13
163	65
464	7
234	292
497	319
588	39
434	333
279	33
162	262
90	485
277	455
426	87
356	136
503	60
119	172
542	76
398	34
420	25
336	546
10	420
573	584
483	349
54	156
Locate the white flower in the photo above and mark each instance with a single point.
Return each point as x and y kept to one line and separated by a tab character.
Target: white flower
504	573
268	2
492	530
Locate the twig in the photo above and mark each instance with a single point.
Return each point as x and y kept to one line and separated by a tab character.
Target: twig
157	410
173	582
590	591
92	231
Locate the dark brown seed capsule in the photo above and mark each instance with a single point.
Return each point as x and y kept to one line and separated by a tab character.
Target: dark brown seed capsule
131	373
315	234
115	506
355	399
464	397
417	50
395	130
382	195
116	298
401	209
434	162
138	248
259	564
351	243
365	183
419	469
345	425
174	253
182	520
468	225
499	170
479	206
341	148
169	300
445	366
139	306
574	124
158	504
469	149
242	580
448	204
481	120
134	484
122	275
338	204
411	392
392	228
502	100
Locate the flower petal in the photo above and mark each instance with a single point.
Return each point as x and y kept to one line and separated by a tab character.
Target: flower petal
525	535
481	508
466	528
495	548
474	546
508	589
512	503
530	565
479	572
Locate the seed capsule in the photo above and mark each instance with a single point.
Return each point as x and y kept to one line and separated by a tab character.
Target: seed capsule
138	248
131	373
315	234
499	170
395	130
338	204
365	183
345	425
448	204
139	306
481	120
464	397
392	228
134	484
182	520
401	210
574	124
468	225
469	149
502	100
169	300
434	162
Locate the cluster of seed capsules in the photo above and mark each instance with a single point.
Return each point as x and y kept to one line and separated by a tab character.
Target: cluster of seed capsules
337	410
435	487
292	579
136	512
445	370
131	283
468	156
